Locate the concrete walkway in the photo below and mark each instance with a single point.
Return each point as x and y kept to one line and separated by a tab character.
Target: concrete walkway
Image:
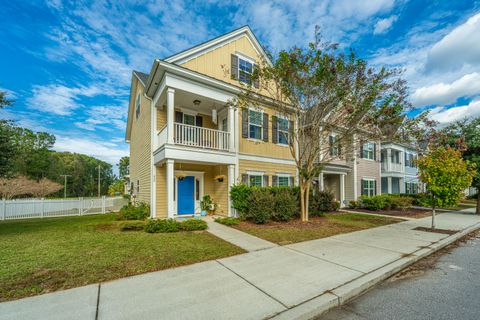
238	238
297	281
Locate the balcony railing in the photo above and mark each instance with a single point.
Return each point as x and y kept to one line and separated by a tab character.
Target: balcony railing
194	136
392	167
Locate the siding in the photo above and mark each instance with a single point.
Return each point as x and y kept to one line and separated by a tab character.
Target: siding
267	167
369	169
140	151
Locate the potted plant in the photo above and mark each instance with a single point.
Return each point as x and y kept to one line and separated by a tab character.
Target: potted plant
220	178
207	205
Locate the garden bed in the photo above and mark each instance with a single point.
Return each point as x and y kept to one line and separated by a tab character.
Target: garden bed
41	256
317	227
415	213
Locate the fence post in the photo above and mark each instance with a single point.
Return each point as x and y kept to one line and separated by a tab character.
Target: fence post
80	201
43	207
103	205
4	208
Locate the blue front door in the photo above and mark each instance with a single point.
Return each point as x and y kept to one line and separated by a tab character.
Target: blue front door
186	193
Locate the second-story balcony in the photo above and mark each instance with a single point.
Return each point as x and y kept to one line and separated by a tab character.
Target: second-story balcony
388	166
194	136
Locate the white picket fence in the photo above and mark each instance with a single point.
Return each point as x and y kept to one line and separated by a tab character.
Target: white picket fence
42	208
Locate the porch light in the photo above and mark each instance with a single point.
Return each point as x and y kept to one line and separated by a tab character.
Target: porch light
220	178
197	102
214	115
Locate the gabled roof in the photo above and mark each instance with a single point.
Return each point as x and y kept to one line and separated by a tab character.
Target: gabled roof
197	50
143	77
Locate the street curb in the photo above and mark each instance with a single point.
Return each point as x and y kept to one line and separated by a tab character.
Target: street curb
346	292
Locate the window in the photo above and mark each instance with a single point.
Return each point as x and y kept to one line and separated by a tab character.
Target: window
368	187
283	181
368	151
188	119
197	189
411	187
224	124
255	180
245	70
395	156
137	106
283	126
255	124
333	145
409	160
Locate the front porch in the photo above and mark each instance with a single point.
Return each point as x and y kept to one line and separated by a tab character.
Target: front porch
333	179
189	183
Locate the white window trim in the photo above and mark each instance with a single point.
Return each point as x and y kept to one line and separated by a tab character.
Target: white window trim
261	126
278	130
283	175
334	135
255	173
369	180
245	58
373	151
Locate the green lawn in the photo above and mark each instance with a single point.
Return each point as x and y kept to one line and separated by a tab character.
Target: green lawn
42	255
465	204
318	227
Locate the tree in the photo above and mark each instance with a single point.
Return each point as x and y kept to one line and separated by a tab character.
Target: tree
123	164
14	187
117	187
326	92
446	175
44	187
465	136
7	148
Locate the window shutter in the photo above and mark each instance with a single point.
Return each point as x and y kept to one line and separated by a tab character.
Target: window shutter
256	80
274	129
199	121
292	181
245	123
290	131
375	187
265	127
178	116
374	151
234	67
406	160
245	178
274	180
265	180
330	143
361	150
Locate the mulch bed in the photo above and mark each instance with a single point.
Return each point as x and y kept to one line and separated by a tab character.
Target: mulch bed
443	231
313	222
409	213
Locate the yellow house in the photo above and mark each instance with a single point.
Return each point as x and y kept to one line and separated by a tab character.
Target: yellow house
187	141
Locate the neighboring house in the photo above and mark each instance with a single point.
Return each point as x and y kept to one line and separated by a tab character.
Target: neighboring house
399	171
187	141
355	173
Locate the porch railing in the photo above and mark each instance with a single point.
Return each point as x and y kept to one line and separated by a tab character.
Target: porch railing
194	136
392	167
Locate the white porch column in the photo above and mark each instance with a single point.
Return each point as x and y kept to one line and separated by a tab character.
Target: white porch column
389	160
231	182
401	187
170	114
170	188
321	182
389	185
231	128
342	190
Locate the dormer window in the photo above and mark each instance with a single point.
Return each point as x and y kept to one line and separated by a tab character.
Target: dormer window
242	69
245	70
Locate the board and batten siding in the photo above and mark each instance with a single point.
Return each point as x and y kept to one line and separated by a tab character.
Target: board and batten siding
140	152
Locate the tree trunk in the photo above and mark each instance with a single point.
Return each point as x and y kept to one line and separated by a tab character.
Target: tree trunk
477	211
307	197
302	201
433	218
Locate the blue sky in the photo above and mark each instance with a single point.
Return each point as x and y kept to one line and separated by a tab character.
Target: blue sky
68	64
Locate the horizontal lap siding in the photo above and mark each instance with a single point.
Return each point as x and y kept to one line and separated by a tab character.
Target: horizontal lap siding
267	167
140	152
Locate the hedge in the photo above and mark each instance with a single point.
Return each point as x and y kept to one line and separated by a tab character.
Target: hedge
139	211
382	202
172	225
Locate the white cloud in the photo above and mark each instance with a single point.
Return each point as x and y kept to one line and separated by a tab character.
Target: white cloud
447	115
383	25
59	99
107	151
447	93
109	118
458	48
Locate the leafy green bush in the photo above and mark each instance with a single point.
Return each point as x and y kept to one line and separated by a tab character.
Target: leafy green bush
132	225
284	205
240	195
323	201
228	221
385	202
373	203
403	202
353	204
139	211
193	225
260	205
168	225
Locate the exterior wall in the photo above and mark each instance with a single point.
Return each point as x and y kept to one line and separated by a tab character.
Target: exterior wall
266	167
140	151
369	169
332	184
262	148
349	187
161	192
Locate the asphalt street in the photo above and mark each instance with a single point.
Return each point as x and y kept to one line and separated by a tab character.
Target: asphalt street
448	290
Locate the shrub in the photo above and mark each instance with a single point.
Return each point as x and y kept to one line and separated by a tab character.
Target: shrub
385	202
193	225
139	211
240	195
284	205
403	202
353	204
373	203
323	201
132	225
228	221
260	205
168	225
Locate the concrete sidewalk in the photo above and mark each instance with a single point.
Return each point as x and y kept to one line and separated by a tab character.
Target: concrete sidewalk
297	281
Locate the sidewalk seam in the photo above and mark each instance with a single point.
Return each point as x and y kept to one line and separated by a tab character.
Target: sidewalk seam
98	301
250	283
